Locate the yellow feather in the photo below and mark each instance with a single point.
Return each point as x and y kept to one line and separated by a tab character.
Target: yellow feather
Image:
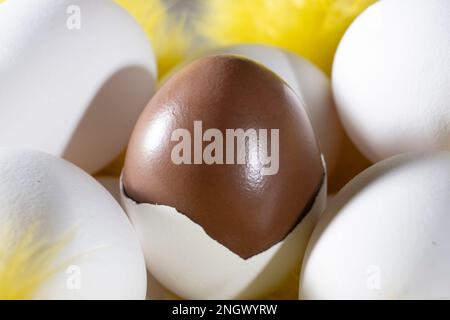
170	41
310	28
26	263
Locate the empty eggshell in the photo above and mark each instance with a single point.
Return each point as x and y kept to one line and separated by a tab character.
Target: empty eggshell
82	245
75	75
193	265
223	230
391	78
385	235
310	84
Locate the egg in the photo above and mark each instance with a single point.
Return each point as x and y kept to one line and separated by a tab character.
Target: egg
385	235
62	235
75	75
390	78
310	84
223	180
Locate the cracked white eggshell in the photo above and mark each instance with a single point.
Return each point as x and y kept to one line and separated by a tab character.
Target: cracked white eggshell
391	78
310	84
183	258
38	189
385	235
72	92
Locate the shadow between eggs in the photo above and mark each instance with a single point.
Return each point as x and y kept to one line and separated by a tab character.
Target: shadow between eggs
104	129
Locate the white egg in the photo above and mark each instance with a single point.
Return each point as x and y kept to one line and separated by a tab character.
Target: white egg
176	248
391	78
386	234
98	255
75	75
310	84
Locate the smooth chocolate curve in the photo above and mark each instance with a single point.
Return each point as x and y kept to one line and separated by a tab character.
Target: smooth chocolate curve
235	204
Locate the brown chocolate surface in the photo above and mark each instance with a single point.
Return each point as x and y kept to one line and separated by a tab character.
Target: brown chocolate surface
236	204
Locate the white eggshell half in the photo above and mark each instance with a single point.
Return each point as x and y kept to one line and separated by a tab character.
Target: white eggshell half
182	257
385	235
37	189
72	92
310	84
391	78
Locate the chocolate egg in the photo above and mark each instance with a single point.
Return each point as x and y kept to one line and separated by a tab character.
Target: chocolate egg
224	157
